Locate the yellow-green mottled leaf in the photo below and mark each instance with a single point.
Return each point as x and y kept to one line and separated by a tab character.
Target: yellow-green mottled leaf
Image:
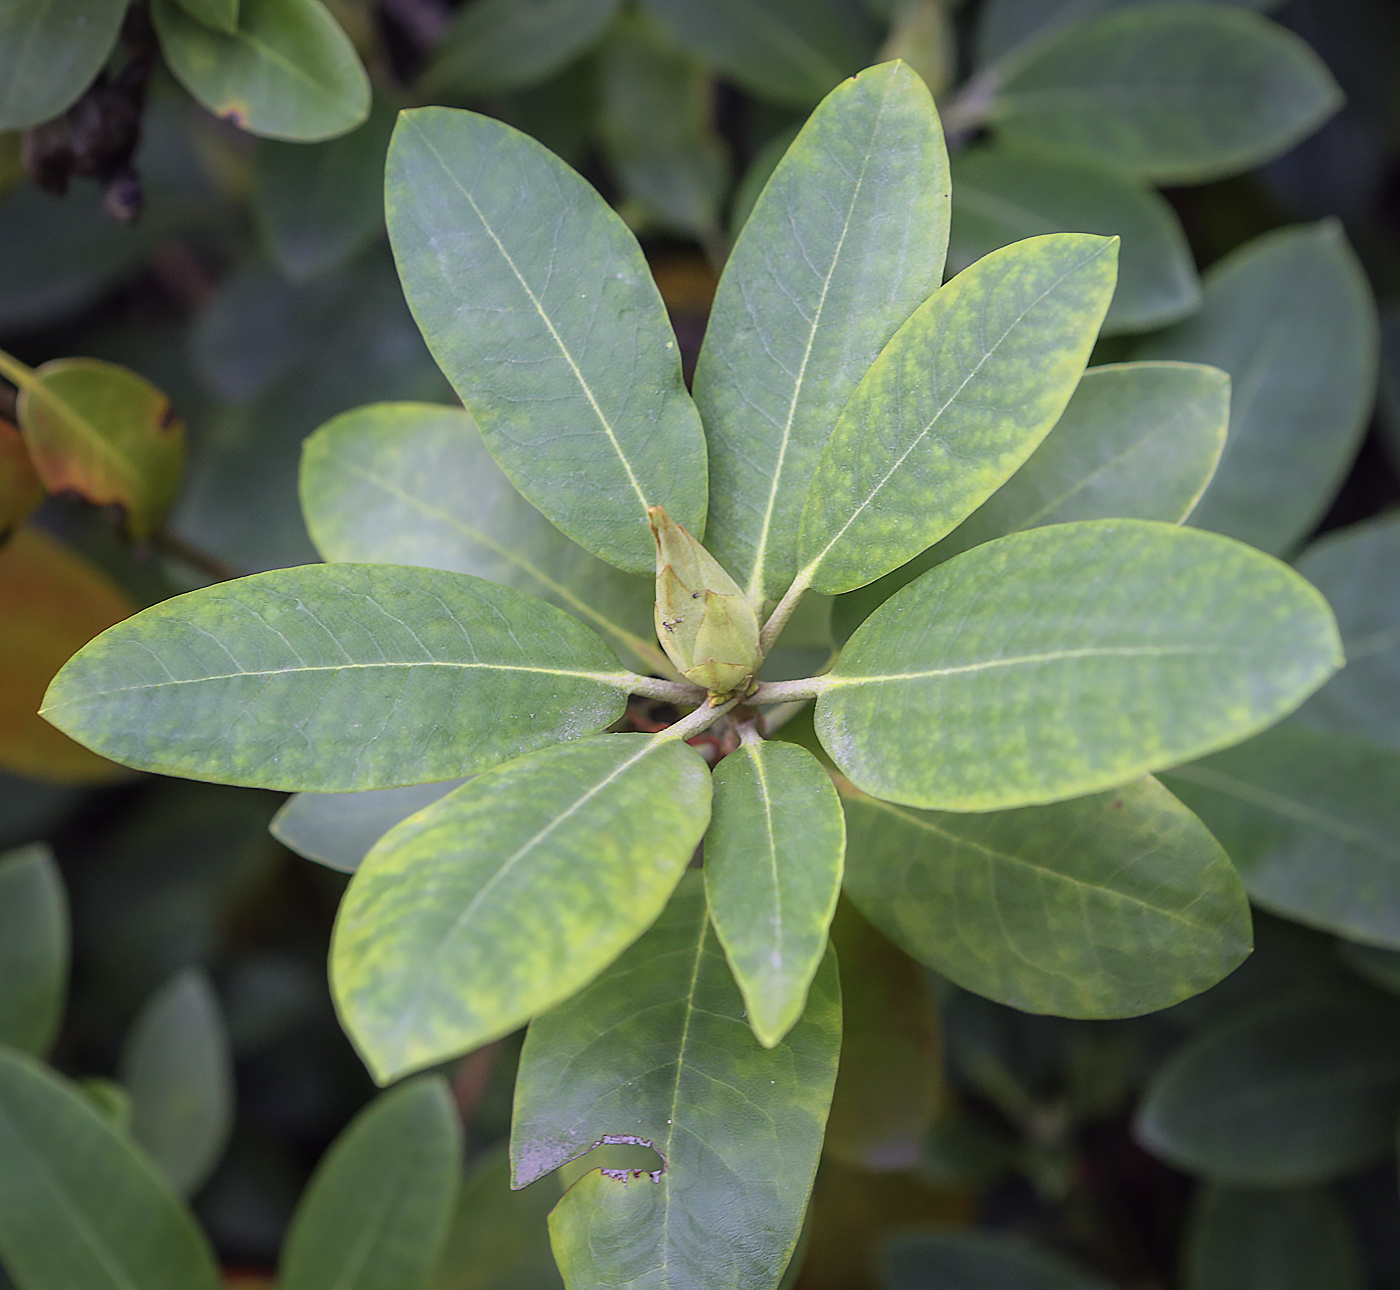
772	874
954	404
332	678
493	904
33	949
1068	659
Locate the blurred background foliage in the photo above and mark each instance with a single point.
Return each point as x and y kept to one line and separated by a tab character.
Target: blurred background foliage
218	232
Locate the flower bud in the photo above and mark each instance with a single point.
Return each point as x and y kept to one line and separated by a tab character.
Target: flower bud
704	622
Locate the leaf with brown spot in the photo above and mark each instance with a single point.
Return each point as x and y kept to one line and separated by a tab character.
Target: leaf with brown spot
21	490
52	602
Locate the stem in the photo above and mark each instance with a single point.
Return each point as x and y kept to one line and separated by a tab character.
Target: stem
19	375
652	687
700	720
788	691
208	564
784	610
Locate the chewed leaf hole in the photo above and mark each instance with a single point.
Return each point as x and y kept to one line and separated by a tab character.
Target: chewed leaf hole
622	1158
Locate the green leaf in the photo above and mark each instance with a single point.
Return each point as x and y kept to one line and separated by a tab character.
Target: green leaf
331	678
1290	317
33	949
954	404
178	1071
499	1239
219	14
287	72
1137	441
1312	820
845	242
338	829
506	896
657	1052
537	304
790	51
1270	1240
102	432
1002	194
50	51
319	206
496	45
408	483
1176	94
657	132
80	1207
772	874
375	1214
1379	967
1356	569
1067	660
1106	906
1296	1092
977	1261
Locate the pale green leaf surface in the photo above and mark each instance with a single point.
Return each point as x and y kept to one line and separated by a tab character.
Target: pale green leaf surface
1295	1092
1002	194
791	51
845	242
80	1206
773	857
496	45
412	483
1106	906
1175	93
50	51
178	1071
219	14
1358	570
332	678
318	206
288	72
511	893
1069	659
1290	317
1312	820
658	1051
955	403
1237	1239
375	1215
977	1261
1137	441
338	829
34	940
536	302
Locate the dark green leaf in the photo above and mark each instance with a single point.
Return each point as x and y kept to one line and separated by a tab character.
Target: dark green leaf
80	1207
50	51
1176	94
1358	570
506	896
375	1214
845	242
792	51
414	484
33	949
1069	659
220	14
1312	819
331	678
177	1069
1104	906
1001	195
1290	317
977	1261
1270	1240
1379	967
772	874
987	364
657	1052
287	72
338	829
537	303
495	45
320	205
1292	1093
